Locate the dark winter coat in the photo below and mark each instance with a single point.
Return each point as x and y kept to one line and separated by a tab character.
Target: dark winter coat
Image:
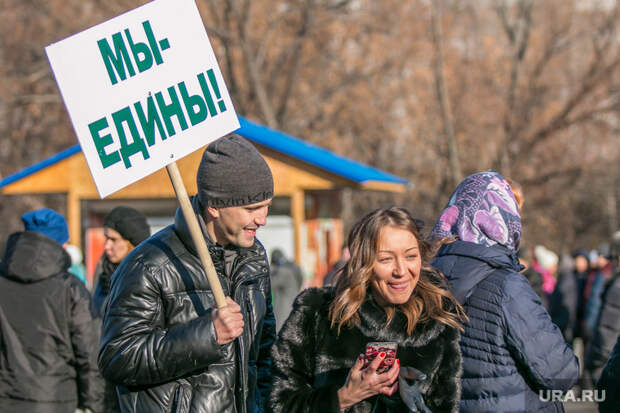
563	304
607	328
48	342
159	343
597	284
610	382
311	362
536	282
511	349
286	280
103	279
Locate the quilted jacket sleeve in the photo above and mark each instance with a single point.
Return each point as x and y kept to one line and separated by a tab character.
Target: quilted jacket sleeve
137	348
534	341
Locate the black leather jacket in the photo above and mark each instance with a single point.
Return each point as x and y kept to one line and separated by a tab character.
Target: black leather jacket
159	344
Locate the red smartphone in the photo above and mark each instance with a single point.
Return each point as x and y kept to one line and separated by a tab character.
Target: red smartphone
374	348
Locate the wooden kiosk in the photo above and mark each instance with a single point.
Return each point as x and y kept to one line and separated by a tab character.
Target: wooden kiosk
308	184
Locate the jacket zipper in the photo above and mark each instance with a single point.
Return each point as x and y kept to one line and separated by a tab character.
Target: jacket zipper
233	292
247	277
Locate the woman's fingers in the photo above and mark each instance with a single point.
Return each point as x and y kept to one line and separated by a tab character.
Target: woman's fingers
393	372
359	363
386	379
389	390
395	366
374	365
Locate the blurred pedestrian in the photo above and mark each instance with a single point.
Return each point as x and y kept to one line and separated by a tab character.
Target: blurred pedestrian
124	228
77	266
596	285
532	276
546	263
331	278
48	342
582	268
511	349
607	325
388	292
566	302
286	281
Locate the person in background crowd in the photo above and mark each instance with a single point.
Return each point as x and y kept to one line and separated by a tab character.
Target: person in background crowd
597	281
286	281
387	292
594	269
566	302
582	268
124	228
511	349
546	263
593	258
165	343
48	342
77	267
610	382
532	276
607	325
331	278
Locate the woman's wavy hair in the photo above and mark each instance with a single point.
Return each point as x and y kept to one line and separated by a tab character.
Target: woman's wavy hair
430	298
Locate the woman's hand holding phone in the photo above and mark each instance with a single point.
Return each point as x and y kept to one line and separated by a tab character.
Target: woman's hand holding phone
376	347
364	382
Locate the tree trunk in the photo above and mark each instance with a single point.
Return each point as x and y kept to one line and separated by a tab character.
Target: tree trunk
443	99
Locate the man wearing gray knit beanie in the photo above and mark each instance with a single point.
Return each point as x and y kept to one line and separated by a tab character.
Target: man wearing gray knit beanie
164	341
235	187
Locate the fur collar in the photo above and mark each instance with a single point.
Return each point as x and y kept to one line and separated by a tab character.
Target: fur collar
373	323
373	319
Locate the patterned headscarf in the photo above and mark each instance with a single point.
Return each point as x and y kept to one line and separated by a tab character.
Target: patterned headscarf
482	210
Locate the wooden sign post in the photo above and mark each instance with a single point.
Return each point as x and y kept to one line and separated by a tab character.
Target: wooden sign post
196	233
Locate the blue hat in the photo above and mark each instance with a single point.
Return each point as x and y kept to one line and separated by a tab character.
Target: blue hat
47	222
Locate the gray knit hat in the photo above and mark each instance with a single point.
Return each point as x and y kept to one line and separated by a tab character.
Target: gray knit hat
233	173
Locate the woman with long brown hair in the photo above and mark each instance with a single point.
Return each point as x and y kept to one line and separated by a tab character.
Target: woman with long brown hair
388	295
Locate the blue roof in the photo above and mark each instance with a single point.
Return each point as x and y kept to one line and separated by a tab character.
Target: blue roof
314	155
41	165
272	139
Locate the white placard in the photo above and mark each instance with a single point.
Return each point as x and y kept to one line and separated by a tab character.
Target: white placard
142	90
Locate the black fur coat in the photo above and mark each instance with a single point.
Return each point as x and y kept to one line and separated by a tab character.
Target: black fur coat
311	362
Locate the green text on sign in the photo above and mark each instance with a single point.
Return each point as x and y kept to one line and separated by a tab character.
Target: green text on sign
119	62
152	118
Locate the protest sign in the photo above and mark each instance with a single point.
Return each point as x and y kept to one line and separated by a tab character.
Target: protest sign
143	90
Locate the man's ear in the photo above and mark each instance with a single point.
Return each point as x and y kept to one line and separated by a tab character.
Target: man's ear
213	212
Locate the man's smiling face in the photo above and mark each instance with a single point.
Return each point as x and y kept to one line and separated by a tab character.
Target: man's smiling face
238	225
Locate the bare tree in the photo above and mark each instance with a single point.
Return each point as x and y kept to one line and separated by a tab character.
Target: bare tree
442	95
529	87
